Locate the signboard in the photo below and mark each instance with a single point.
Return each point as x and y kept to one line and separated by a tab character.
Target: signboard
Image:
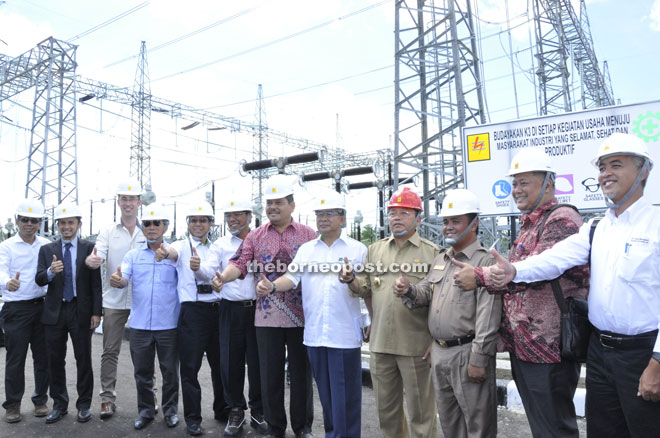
571	140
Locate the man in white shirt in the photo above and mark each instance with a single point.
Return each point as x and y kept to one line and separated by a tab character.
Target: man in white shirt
623	364
332	315
238	342
20	317
112	244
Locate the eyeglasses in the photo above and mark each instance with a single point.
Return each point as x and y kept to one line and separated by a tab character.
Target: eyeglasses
328	213
155	223
32	220
200	220
401	213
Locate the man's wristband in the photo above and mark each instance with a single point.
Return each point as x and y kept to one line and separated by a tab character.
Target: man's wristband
409	293
656	356
349	281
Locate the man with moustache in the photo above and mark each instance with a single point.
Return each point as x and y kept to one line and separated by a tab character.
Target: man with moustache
112	244
238	341
73	307
154	316
279	316
20	316
623	362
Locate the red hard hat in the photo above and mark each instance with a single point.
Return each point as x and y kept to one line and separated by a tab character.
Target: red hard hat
405	198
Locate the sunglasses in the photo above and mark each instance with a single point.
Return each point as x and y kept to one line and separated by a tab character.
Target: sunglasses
155	223
329	213
32	220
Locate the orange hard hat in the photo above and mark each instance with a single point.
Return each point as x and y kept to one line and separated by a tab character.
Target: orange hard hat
405	198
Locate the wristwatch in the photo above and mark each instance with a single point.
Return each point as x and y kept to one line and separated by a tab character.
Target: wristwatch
349	281
656	355
274	288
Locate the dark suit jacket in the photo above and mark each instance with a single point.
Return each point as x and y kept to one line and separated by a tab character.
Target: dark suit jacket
88	284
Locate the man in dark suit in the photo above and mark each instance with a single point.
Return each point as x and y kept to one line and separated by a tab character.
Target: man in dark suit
73	306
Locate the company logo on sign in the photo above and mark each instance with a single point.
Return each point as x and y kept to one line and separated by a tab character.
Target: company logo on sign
501	189
478	147
564	185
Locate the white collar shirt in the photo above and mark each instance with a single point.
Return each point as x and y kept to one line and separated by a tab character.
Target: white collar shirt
18	256
331	313
624	296
187	287
112	244
221	251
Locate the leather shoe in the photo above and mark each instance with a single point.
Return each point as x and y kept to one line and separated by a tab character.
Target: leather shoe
194	429
304	434
41	410
84	415
142	422
55	416
171	420
107	409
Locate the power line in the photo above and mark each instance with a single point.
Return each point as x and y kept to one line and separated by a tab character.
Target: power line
273	42
108	22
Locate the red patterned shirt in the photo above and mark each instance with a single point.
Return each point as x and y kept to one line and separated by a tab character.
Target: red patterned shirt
530	317
266	250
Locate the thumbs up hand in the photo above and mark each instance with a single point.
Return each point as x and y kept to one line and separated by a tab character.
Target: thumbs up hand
116	280
194	261
346	275
464	278
503	272
14	284
56	266
217	282
264	287
93	261
161	253
401	285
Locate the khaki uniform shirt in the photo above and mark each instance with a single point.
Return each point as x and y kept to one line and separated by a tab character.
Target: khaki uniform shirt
455	313
395	329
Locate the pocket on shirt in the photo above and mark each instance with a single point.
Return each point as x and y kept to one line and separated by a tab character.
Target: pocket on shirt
637	263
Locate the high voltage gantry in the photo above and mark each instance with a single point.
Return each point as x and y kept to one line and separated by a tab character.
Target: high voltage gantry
439	84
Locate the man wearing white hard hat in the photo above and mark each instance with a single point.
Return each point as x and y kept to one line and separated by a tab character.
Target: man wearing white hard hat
279	318
198	331
623	363
530	329
463	325
154	316
238	340
331	313
112	244
72	308
20	316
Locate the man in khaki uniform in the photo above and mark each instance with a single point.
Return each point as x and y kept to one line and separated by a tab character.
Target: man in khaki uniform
399	337
464	325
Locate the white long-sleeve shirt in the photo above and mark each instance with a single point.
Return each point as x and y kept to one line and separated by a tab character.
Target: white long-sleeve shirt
18	256
330	310
186	287
624	296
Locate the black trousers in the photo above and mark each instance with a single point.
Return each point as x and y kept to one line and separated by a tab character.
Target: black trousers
275	345
613	407
198	334
238	346
56	340
144	346
547	391
21	321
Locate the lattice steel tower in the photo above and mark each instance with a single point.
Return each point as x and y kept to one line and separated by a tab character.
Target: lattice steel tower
259	152
141	121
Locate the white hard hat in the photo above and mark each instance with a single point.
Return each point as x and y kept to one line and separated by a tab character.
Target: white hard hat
155	212
201	208
530	160
329	200
129	186
67	209
277	187
237	204
30	208
459	202
622	144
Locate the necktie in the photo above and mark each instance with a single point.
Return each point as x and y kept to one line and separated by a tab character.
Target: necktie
67	294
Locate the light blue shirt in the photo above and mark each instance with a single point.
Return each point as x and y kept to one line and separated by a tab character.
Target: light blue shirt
155	300
74	256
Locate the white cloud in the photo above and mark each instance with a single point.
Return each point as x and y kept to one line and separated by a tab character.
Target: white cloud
654	16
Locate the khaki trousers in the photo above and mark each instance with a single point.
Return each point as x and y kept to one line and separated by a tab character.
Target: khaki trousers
466	409
114	321
394	377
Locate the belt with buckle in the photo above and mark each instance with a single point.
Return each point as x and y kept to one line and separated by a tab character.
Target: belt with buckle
626	342
244	303
203	303
455	342
30	301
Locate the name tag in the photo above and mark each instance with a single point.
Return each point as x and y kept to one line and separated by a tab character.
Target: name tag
439	267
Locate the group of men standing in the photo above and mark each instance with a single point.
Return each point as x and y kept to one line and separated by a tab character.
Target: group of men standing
266	297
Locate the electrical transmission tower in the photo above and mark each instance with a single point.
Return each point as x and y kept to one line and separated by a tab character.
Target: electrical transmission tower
50	68
141	122
259	152
438	88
